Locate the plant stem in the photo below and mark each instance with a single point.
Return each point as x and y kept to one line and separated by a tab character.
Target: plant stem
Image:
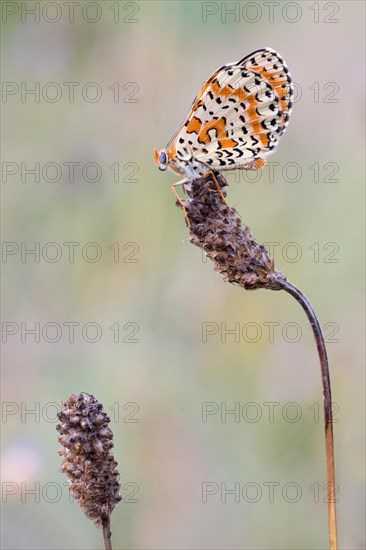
328	417
107	534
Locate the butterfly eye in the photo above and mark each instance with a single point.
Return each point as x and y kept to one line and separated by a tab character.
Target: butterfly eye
163	158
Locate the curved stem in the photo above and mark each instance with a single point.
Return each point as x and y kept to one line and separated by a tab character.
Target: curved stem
107	535
328	418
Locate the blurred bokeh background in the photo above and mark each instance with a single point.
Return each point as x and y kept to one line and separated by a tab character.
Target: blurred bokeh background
114	300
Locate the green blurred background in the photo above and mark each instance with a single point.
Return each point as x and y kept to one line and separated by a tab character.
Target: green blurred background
155	369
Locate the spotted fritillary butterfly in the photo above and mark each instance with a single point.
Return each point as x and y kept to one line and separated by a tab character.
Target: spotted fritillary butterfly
235	121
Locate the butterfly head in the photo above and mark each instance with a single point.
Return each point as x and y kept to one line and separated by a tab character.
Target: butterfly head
161	159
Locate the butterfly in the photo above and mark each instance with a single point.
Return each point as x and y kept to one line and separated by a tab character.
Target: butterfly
236	120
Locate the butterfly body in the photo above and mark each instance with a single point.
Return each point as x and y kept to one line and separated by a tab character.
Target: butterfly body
236	120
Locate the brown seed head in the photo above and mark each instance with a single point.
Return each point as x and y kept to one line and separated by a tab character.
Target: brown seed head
87	459
219	231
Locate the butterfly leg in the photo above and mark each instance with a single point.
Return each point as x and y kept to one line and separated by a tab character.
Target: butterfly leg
172	187
212	174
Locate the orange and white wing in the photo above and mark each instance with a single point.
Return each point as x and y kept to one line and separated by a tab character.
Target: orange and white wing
239	115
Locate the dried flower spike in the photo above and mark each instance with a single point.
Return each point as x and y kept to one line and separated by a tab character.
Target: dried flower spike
87	459
218	230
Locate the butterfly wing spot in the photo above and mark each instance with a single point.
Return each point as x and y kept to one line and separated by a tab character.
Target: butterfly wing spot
216	128
255	164
194	125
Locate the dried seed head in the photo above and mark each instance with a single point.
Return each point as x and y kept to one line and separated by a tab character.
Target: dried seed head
219	231
87	459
